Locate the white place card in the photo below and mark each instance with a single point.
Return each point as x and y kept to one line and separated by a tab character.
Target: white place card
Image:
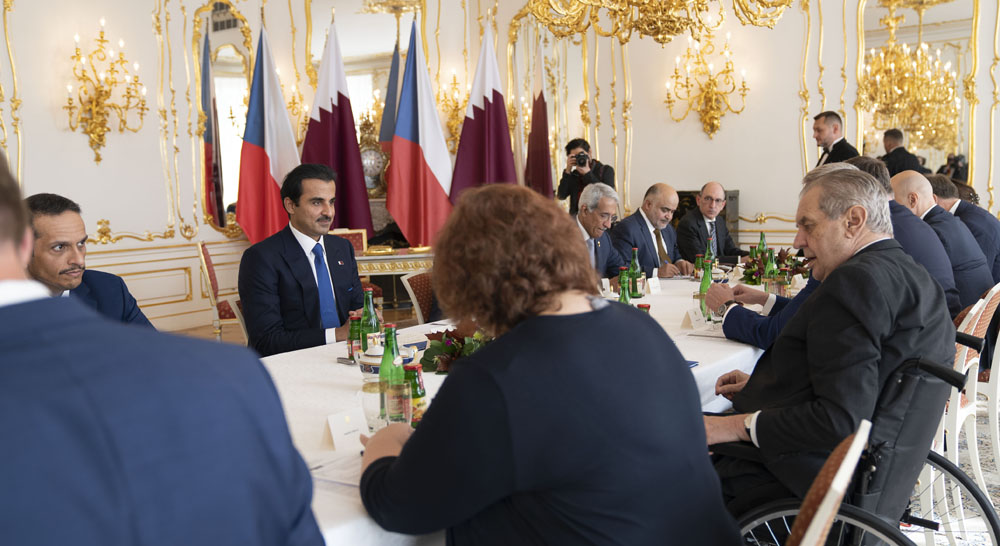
693	319
346	428
605	286
653	285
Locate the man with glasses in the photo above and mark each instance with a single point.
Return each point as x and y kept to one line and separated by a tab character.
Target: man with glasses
699	224
649	230
598	209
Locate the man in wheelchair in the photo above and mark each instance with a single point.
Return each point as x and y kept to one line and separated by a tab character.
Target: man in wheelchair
875	309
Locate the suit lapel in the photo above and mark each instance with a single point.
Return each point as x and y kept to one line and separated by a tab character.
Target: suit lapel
302	271
334	260
83	293
650	249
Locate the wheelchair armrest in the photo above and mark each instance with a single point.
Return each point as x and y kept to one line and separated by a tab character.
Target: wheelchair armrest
970	341
739	450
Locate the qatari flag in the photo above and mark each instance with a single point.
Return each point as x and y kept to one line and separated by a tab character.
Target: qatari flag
538	166
484	155
331	140
388	127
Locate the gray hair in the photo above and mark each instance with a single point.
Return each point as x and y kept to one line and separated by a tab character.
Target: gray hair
593	193
845	186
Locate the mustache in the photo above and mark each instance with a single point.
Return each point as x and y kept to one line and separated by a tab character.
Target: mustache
71	269
324	219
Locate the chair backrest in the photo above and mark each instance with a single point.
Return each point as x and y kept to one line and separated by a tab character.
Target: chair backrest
905	420
357	237
827	491
237	306
418	286
991	300
209	270
969	324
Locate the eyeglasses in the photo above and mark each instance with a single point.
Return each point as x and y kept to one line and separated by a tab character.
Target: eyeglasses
711	200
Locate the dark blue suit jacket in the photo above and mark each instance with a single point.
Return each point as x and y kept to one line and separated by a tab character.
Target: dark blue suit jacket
608	261
972	276
116	435
632	232
919	240
108	294
761	331
986	229
279	295
692	238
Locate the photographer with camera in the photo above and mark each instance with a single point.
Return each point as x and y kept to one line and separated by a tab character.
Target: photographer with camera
582	170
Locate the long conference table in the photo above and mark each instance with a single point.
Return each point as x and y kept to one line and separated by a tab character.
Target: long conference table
314	386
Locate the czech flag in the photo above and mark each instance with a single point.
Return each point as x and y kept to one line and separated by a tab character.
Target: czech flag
268	153
419	178
212	200
484	155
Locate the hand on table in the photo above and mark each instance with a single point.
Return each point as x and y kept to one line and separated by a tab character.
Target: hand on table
725	428
745	294
718	293
731	383
668	270
387	442
686	268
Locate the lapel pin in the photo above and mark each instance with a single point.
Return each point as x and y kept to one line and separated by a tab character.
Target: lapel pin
598	244
340	262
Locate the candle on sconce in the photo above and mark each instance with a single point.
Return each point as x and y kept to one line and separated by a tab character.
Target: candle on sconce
102	23
69	90
101	76
76	38
111	52
144	90
135	66
121	43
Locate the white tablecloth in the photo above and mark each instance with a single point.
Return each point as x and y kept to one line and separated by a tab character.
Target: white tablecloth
313	386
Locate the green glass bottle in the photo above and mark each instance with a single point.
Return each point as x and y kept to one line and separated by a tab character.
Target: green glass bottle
771	268
762	245
623	288
354	337
633	275
369	320
706	281
710	256
391	375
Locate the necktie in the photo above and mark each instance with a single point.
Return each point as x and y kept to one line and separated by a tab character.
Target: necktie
593	252
715	240
327	302
664	257
822	158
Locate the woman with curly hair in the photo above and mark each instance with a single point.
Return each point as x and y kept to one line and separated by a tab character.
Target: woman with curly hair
579	424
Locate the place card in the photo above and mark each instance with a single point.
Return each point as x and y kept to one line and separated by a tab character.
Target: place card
653	285
605	287
693	319
346	428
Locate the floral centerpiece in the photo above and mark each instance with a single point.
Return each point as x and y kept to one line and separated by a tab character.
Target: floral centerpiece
753	269
446	347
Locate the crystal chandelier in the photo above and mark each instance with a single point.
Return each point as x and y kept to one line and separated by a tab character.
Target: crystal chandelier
909	88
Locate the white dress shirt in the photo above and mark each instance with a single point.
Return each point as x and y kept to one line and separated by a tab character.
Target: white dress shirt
591	242
13	292
307	243
954	208
926	211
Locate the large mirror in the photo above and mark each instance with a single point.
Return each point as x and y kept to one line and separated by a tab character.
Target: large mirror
230	50
916	56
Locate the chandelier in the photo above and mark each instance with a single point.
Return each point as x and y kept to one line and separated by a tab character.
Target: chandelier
660	20
909	88
702	87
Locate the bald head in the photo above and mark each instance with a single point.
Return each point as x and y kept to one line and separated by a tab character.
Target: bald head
659	204
711	200
913	191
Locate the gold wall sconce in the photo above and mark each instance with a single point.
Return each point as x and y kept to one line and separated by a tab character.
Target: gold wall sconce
702	88
452	104
104	85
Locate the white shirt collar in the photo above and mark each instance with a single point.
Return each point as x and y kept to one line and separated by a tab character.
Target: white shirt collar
926	211
870	244
954	208
306	242
586	236
832	144
13	292
649	225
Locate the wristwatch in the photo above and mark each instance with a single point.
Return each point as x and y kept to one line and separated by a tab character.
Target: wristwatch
747	421
721	311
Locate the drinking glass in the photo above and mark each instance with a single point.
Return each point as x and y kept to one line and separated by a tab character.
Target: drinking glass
398	403
371	403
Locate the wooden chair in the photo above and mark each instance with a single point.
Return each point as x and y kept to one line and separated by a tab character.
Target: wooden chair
418	286
357	237
991	390
222	309
827	491
237	307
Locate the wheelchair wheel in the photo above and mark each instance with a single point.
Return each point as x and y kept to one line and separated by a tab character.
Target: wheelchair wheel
948	508
771	524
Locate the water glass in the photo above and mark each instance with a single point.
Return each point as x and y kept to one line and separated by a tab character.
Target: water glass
398	403
371	403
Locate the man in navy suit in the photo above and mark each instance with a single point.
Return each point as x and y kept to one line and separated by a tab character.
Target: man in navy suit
703	222
968	263
116	436
299	286
828	130
59	261
984	226
598	205
648	229
897	159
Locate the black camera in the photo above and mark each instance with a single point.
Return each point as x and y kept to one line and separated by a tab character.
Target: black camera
582	159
